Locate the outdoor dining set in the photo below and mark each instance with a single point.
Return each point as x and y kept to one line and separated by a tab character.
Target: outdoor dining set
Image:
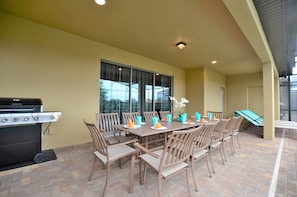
156	140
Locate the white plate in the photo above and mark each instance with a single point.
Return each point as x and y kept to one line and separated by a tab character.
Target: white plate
204	121
161	128
142	123
188	123
127	127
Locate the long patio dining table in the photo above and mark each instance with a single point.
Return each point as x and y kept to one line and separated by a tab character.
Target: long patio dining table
146	129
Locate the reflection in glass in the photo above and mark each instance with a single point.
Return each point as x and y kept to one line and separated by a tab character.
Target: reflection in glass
127	89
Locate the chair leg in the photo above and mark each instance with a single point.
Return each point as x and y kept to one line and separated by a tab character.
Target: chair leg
132	173
144	173
221	152
238	141
188	185
193	173
106	180
93	166
210	156
140	173
206	158
224	150
232	146
120	163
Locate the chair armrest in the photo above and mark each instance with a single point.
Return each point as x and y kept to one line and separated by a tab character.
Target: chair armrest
124	143
139	147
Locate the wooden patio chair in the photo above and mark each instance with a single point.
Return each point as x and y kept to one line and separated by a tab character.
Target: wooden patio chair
155	140
236	130
171	160
108	154
217	114
105	123
227	135
163	114
201	147
149	115
217	139
129	115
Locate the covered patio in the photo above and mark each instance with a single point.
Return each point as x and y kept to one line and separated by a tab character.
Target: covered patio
259	168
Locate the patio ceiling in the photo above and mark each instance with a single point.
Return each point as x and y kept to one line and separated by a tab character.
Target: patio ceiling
151	28
279	21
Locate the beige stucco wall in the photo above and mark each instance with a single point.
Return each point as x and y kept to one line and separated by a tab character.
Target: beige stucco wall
213	82
195	90
63	70
237	91
203	90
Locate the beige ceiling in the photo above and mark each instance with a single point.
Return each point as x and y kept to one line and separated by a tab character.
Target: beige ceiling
151	28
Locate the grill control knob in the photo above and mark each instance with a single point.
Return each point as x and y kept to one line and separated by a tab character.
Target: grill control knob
15	119
36	118
4	120
26	119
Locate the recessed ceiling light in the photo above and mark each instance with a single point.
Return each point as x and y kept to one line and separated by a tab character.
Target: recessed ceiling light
214	62
181	45
100	2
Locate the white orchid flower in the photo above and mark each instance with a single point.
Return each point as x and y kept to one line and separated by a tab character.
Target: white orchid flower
179	105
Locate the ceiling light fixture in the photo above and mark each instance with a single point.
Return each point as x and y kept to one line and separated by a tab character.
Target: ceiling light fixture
181	45
214	62
100	2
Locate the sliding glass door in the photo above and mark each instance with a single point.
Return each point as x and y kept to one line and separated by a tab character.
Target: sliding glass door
129	89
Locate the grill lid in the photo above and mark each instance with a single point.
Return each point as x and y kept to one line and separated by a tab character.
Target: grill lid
20	101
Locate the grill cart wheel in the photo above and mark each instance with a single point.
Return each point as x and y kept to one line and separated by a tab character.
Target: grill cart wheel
39	158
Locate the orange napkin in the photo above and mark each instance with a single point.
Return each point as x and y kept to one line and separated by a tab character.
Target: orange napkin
189	121
202	120
213	117
130	123
158	125
206	114
165	118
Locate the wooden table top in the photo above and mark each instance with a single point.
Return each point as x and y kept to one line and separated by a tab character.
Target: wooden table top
146	129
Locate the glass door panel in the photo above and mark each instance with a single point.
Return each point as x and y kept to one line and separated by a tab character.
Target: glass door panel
114	89
162	91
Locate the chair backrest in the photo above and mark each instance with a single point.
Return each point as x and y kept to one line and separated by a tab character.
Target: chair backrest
218	132
178	147
217	114
230	126
149	115
238	123
98	139
203	138
163	114
105	121
131	115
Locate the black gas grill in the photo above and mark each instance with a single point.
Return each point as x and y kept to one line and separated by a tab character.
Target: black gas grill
21	130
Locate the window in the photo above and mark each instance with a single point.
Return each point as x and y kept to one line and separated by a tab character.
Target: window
288	96
125	89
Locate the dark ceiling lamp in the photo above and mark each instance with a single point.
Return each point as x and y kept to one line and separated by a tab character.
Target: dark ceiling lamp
181	45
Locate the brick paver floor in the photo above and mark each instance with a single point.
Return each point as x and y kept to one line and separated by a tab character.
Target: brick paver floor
250	172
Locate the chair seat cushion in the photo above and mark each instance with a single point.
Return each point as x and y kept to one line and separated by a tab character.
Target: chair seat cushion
155	163
199	153
227	138
215	144
115	152
116	139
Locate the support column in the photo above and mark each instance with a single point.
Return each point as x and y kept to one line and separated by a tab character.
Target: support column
268	86
276	97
